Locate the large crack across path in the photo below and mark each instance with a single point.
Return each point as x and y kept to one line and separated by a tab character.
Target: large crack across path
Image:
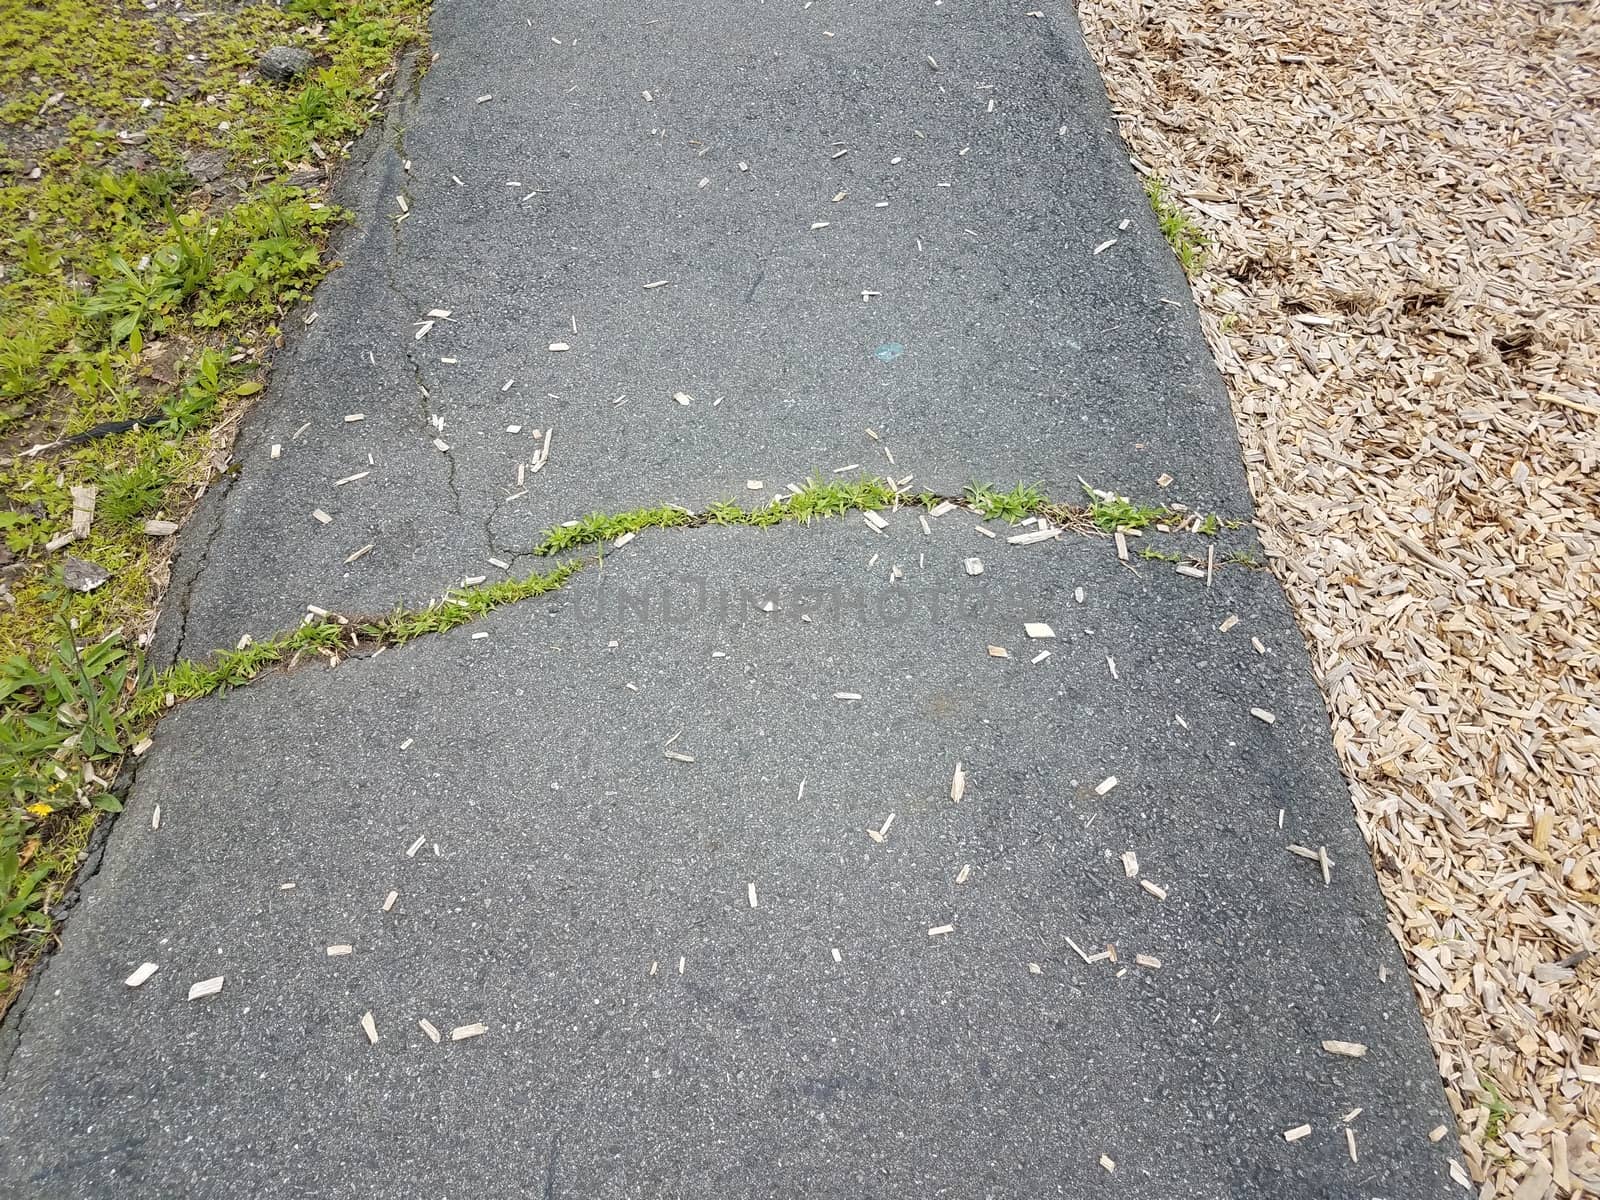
331	636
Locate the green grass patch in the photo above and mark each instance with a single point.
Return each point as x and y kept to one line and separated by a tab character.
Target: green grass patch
160	213
1182	234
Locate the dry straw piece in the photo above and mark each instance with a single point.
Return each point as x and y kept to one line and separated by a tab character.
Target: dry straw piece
1399	293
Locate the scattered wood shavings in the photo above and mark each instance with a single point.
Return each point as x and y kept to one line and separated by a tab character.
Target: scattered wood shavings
1105	1160
206	987
462	1032
428	1028
340	951
1295	1134
754	903
388	901
370	1028
1439	553
1156	890
941	930
1262	714
1130	864
1105	785
142	973
1038	630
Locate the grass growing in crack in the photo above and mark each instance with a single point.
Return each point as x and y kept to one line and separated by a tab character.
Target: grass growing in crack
1111	513
606	527
1024	500
816	498
466	604
1182	234
190	679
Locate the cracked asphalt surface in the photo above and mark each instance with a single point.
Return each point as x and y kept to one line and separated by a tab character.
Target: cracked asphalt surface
706	978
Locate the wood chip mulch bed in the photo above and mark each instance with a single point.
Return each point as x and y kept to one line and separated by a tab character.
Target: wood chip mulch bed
1403	294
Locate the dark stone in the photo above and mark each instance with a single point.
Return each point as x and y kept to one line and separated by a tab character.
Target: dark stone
82	576
284	64
206	166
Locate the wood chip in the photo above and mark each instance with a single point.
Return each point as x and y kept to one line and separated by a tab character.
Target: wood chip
1295	1134
206	987
428	1028
958	783
322	517
1148	960
1346	1049
999	652
416	845
1262	714
1105	785
340	951
462	1032
141	974
941	930
1038	630
1105	1160
1130	864
754	903
974	566
388	901
83	497
1156	890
